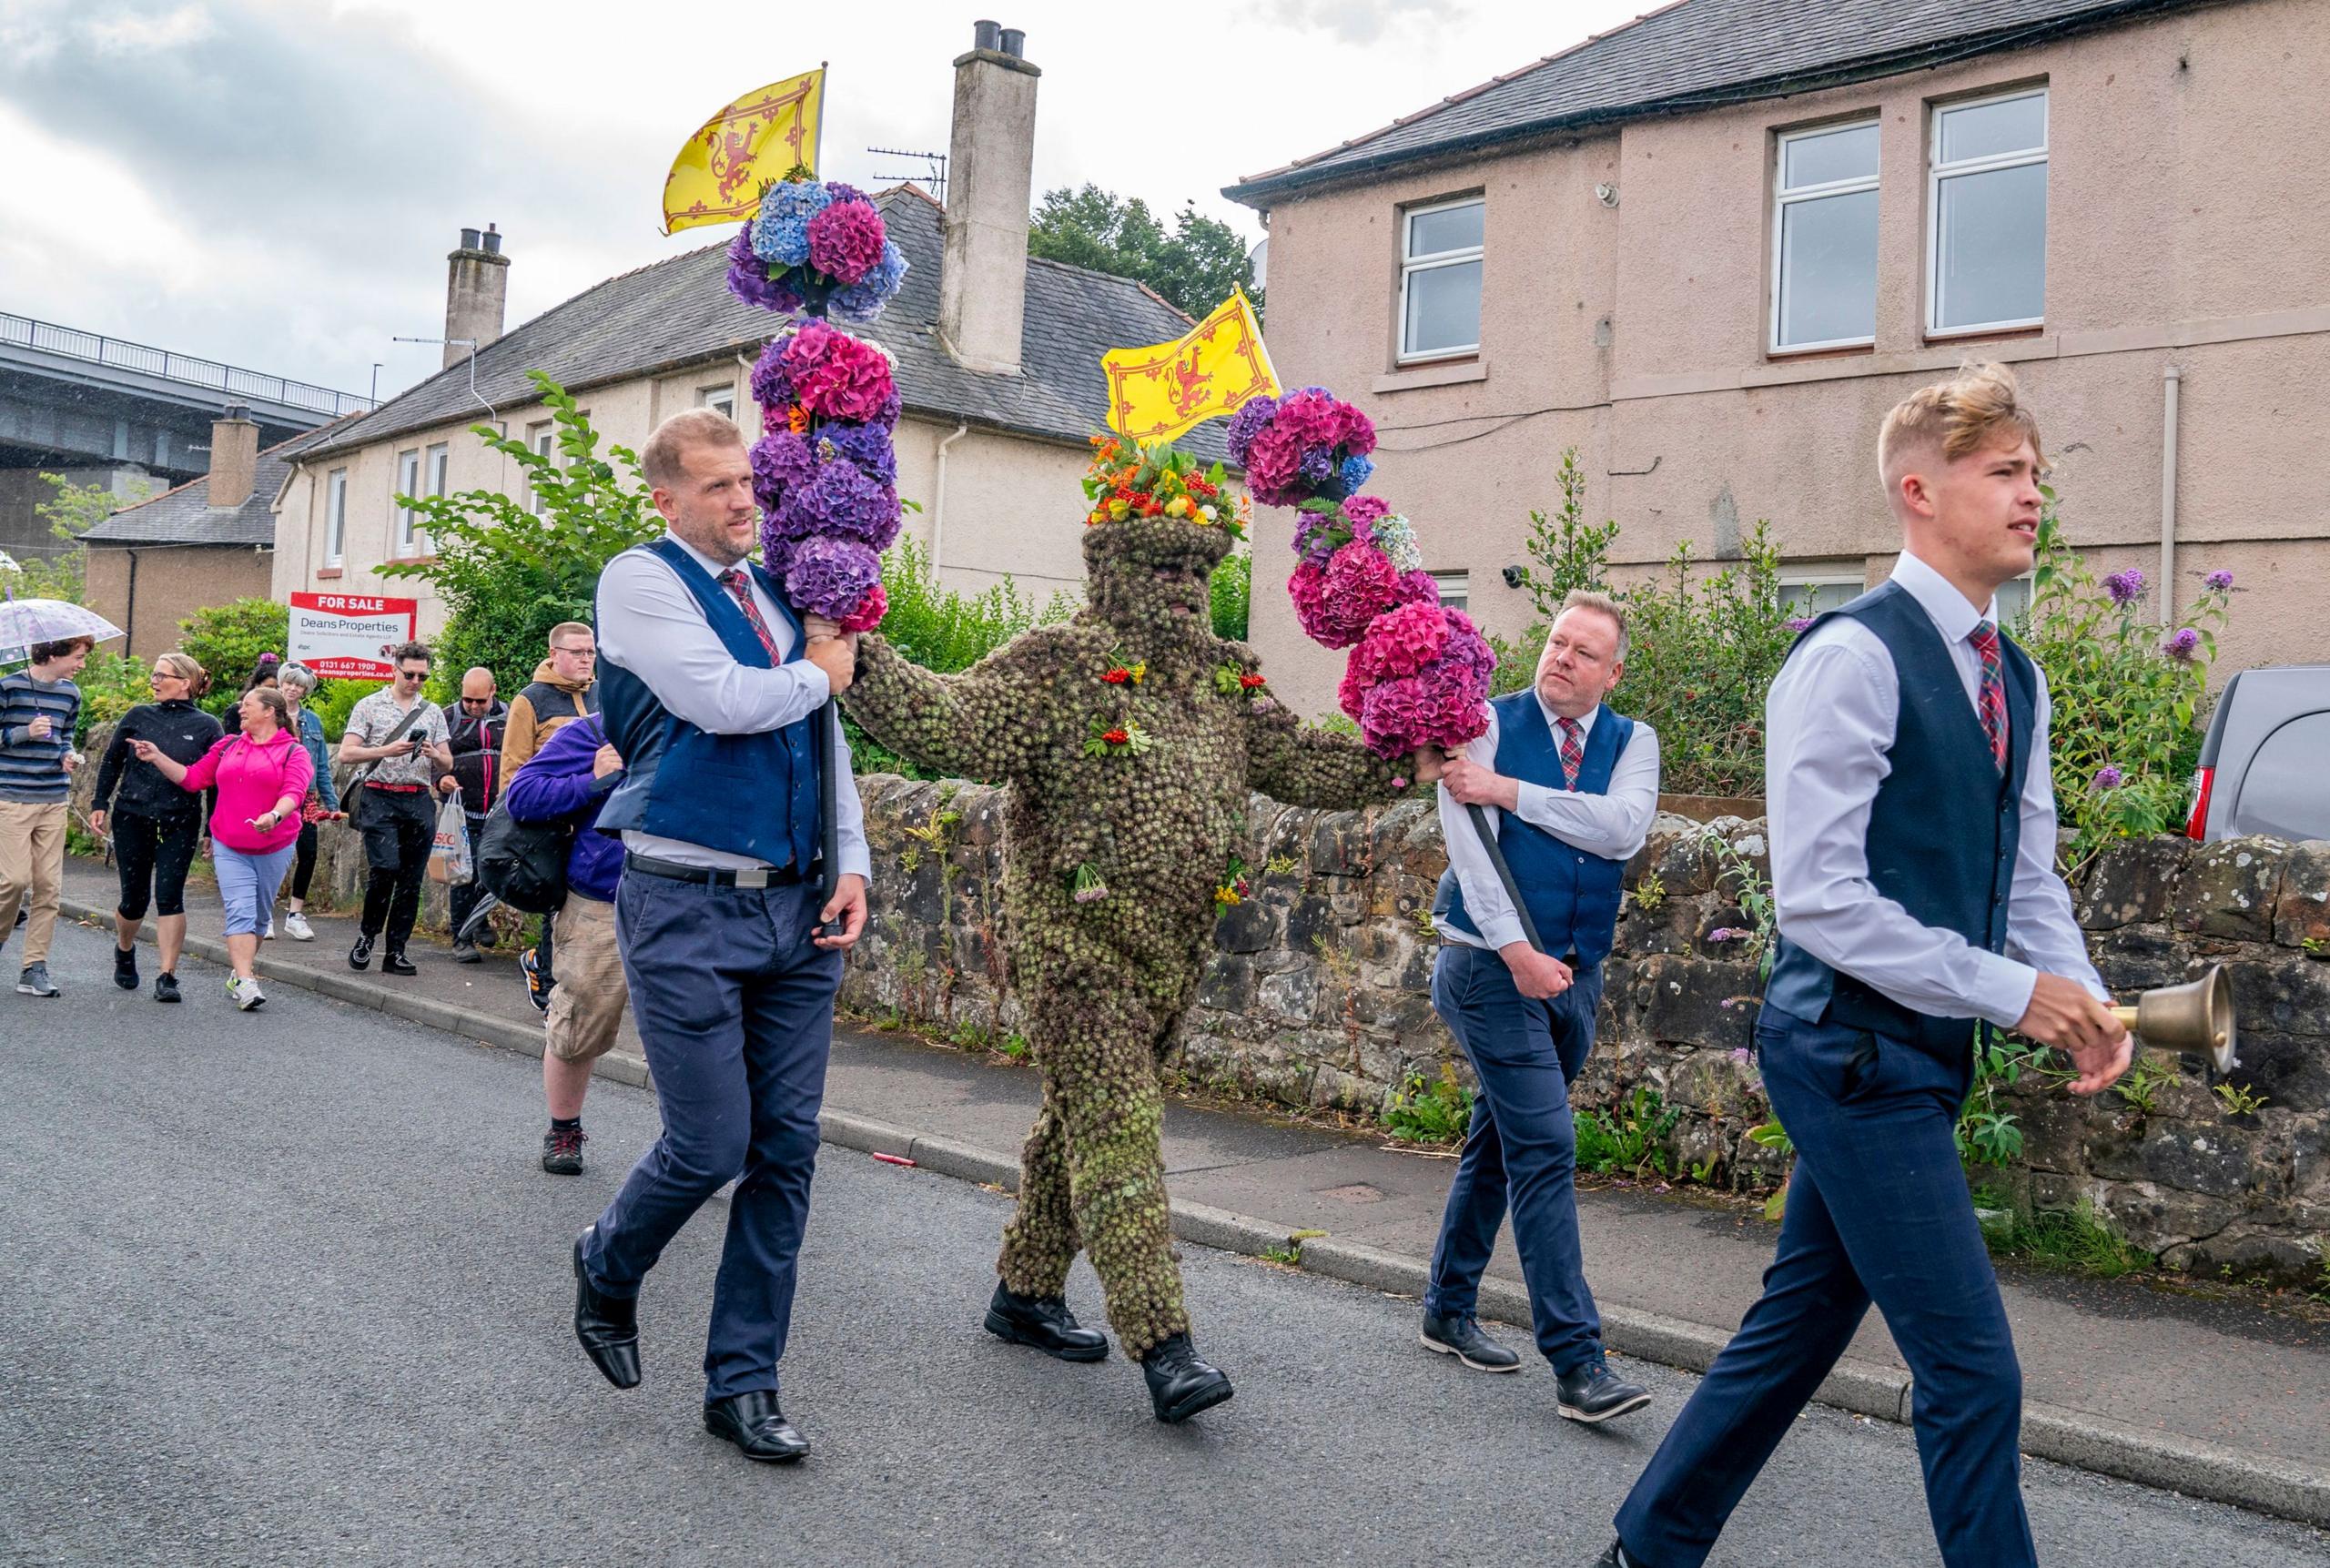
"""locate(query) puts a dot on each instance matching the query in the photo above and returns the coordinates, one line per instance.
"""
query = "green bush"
(333, 699)
(111, 684)
(227, 639)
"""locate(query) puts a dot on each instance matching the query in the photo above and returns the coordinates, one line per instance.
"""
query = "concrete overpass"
(101, 409)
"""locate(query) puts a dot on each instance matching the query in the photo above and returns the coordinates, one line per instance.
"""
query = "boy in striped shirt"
(39, 708)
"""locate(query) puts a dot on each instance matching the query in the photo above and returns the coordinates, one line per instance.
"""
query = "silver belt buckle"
(753, 876)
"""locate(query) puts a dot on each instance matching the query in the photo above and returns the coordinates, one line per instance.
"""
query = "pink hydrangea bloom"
(835, 375)
(1399, 641)
(845, 240)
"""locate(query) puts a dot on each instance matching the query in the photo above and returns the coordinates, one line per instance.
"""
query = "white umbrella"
(25, 622)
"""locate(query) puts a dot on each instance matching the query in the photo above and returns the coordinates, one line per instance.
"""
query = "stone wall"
(1316, 998)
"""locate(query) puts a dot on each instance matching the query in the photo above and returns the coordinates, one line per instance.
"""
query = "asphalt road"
(289, 1287)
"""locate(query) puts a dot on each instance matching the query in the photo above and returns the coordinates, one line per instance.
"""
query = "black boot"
(607, 1325)
(1044, 1323)
(396, 962)
(1180, 1385)
(1460, 1336)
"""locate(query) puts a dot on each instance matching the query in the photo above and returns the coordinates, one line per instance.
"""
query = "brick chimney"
(477, 283)
(234, 457)
(990, 177)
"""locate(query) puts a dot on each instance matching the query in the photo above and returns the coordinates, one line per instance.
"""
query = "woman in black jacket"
(156, 825)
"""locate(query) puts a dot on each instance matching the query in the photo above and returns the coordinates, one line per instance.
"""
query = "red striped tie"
(1985, 637)
(1573, 752)
(733, 580)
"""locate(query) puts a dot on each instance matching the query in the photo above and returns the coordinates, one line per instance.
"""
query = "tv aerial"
(934, 175)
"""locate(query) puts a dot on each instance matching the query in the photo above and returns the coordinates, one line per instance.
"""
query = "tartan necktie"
(733, 580)
(1573, 752)
(1992, 700)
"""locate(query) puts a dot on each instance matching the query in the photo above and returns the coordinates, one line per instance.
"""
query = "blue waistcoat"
(743, 794)
(1943, 831)
(1571, 896)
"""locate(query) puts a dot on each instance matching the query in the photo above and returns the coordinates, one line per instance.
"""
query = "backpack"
(523, 863)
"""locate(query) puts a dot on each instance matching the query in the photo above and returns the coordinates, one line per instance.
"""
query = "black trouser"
(465, 895)
(398, 829)
(152, 854)
(303, 865)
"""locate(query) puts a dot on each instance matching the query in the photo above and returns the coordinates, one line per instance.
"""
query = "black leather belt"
(711, 876)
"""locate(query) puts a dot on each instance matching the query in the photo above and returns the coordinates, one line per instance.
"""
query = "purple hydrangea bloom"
(841, 500)
(771, 388)
(2109, 777)
(2182, 644)
(836, 191)
(749, 281)
(1314, 539)
(830, 576)
(863, 300)
(1247, 424)
(780, 462)
(2124, 586)
(1317, 464)
(866, 446)
(2220, 580)
(780, 230)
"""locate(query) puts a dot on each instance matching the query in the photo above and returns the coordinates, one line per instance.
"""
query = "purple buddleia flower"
(1800, 622)
(2126, 587)
(2108, 777)
(2220, 580)
(2182, 645)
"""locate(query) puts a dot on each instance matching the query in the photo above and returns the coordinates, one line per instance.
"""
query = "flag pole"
(818, 135)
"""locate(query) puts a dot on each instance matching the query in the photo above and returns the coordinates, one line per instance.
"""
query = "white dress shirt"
(1828, 726)
(652, 626)
(1613, 825)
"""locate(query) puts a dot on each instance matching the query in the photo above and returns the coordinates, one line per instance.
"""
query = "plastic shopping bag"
(449, 855)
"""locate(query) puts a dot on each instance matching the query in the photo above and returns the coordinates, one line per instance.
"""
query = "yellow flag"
(718, 175)
(1156, 393)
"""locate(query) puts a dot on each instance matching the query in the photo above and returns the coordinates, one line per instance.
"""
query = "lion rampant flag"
(718, 175)
(1156, 393)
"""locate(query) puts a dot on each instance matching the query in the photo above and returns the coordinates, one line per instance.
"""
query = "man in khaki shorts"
(567, 782)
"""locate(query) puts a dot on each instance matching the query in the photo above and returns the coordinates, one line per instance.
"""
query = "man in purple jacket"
(569, 780)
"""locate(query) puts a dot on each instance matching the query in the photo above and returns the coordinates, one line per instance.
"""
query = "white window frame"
(407, 483)
(542, 440)
(1791, 582)
(336, 518)
(1783, 197)
(721, 399)
(435, 465)
(1460, 578)
(1937, 171)
(2029, 581)
(1411, 265)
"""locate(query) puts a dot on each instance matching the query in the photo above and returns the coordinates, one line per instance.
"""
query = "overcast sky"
(276, 184)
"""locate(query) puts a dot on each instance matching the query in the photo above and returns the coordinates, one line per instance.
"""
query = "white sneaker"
(244, 994)
(267, 933)
(296, 927)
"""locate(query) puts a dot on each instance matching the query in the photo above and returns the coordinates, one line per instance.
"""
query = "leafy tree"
(1194, 264)
(508, 574)
(70, 512)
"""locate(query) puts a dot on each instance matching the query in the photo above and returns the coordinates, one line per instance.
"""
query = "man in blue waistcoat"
(710, 687)
(1573, 787)
(1912, 817)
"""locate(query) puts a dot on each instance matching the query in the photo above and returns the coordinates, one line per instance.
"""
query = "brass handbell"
(2193, 1016)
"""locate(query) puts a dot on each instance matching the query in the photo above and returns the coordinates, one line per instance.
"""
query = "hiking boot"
(35, 981)
(296, 927)
(124, 969)
(244, 994)
(1593, 1392)
(1043, 1323)
(562, 1150)
(538, 985)
(165, 987)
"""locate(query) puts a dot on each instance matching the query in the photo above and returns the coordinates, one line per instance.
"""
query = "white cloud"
(130, 32)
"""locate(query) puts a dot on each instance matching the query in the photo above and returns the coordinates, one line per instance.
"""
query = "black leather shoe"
(752, 1422)
(607, 1325)
(1460, 1336)
(1180, 1385)
(1609, 1559)
(1595, 1393)
(397, 964)
(360, 956)
(165, 987)
(124, 969)
(1046, 1324)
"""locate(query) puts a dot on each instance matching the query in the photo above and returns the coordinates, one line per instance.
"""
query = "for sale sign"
(351, 636)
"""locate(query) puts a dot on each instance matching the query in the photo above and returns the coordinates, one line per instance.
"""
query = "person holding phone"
(261, 775)
(400, 738)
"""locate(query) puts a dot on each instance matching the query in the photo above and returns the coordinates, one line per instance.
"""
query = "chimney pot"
(990, 177)
(476, 287)
(1014, 42)
(234, 457)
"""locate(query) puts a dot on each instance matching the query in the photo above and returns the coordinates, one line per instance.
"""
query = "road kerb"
(2285, 1489)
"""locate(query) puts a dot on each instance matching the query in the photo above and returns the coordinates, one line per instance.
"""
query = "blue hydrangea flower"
(863, 300)
(1354, 473)
(781, 228)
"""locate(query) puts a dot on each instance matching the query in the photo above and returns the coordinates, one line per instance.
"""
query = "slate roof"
(185, 516)
(1696, 54)
(679, 312)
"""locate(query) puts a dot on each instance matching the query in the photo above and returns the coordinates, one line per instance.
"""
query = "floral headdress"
(1128, 481)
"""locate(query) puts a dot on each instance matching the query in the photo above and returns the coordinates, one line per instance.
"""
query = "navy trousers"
(1521, 1151)
(1876, 1210)
(735, 1007)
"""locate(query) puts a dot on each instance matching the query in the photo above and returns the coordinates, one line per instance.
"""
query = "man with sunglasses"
(474, 726)
(400, 738)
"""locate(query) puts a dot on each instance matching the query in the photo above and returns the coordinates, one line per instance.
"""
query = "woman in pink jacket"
(262, 777)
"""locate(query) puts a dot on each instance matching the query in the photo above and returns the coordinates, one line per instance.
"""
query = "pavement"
(2132, 1377)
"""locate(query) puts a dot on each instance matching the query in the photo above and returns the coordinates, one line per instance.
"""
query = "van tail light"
(2196, 823)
